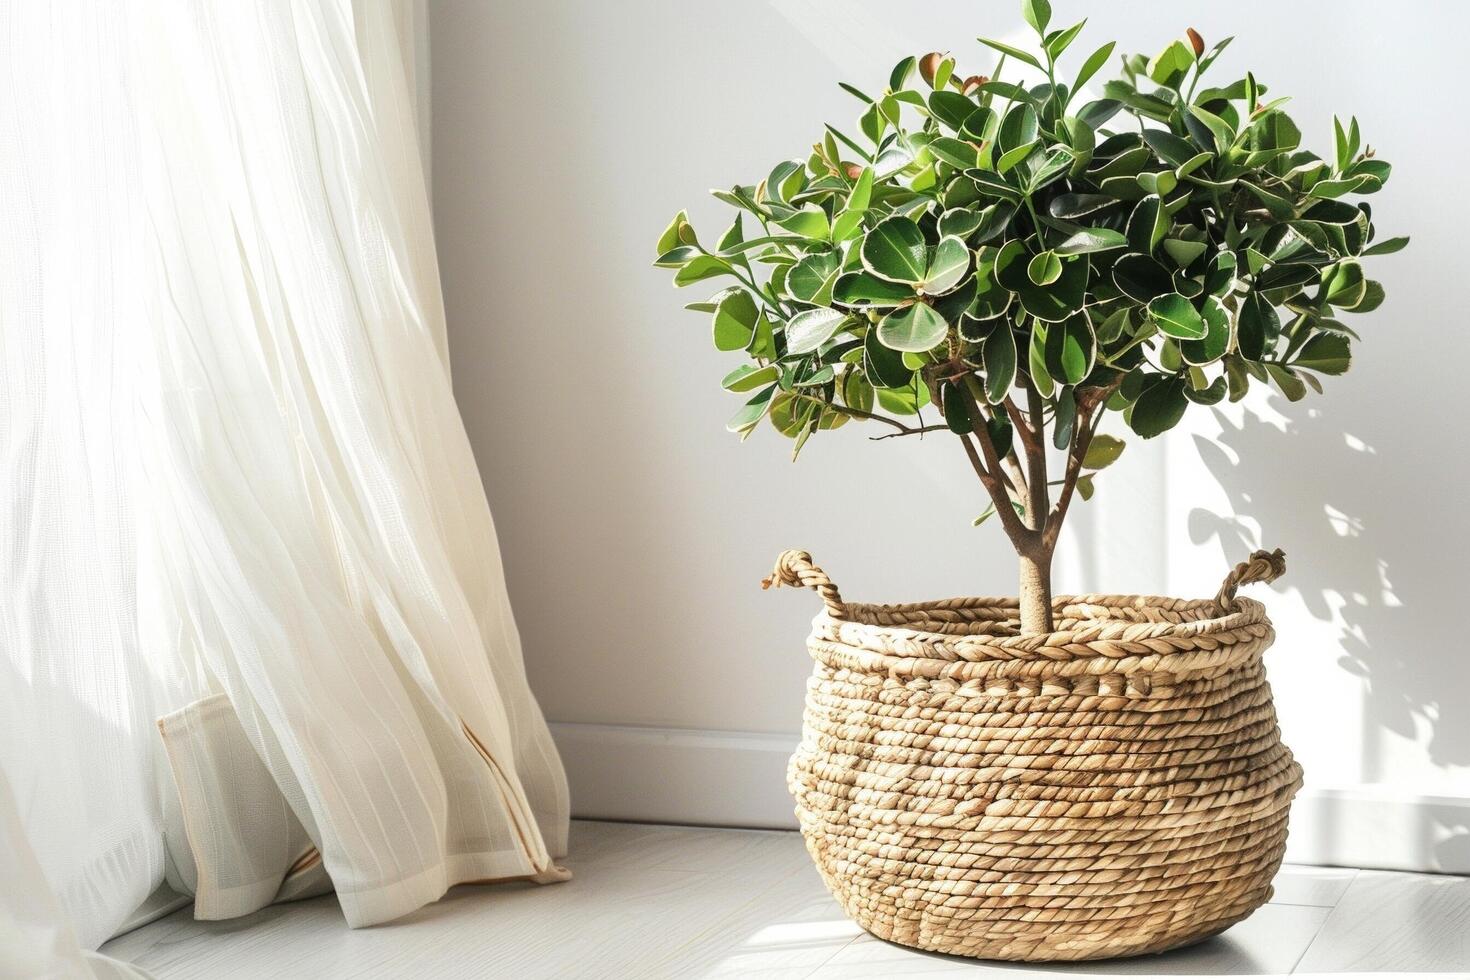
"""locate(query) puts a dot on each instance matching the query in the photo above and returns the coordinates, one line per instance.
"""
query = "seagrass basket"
(1116, 787)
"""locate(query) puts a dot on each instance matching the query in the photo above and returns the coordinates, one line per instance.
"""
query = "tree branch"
(857, 413)
(999, 497)
(908, 431)
(1019, 533)
(1039, 501)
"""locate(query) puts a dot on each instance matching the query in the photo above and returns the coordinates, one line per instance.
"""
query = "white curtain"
(254, 634)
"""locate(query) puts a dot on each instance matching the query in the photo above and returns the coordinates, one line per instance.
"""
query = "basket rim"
(896, 631)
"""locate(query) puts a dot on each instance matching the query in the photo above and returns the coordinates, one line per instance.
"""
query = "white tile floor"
(678, 902)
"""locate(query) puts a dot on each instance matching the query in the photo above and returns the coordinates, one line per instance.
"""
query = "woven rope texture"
(1118, 786)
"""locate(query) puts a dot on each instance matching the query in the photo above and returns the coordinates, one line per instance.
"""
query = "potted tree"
(1042, 777)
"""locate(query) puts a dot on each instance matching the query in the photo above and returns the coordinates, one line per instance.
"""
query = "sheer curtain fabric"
(255, 639)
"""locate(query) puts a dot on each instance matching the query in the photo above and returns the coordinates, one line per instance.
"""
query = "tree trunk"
(1036, 593)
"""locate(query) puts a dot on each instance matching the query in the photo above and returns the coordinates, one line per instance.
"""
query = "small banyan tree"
(1012, 263)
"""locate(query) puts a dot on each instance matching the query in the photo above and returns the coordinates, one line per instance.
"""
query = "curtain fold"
(256, 635)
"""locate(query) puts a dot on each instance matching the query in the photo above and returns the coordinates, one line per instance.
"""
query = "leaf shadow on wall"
(1359, 562)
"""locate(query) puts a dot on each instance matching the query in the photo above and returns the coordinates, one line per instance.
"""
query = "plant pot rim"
(1154, 639)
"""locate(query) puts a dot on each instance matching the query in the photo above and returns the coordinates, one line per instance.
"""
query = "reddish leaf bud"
(973, 83)
(1195, 41)
(929, 65)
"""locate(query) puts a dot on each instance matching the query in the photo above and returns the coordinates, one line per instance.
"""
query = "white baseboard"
(738, 779)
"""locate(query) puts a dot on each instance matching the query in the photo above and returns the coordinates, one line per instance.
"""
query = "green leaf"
(1325, 353)
(862, 192)
(956, 153)
(1011, 52)
(872, 123)
(1044, 268)
(857, 392)
(1183, 252)
(993, 221)
(950, 108)
(991, 298)
(677, 257)
(1170, 64)
(1060, 299)
(1176, 316)
(1371, 299)
(1070, 206)
(1009, 159)
(1092, 240)
(901, 72)
(1064, 420)
(1018, 128)
(1193, 163)
(809, 222)
(959, 222)
(863, 290)
(1328, 189)
(810, 329)
(1097, 113)
(1256, 327)
(752, 412)
(1094, 62)
(733, 235)
(1037, 14)
(1173, 150)
(1071, 348)
(1291, 386)
(1058, 161)
(1277, 206)
(1103, 452)
(1141, 277)
(1036, 360)
(1388, 246)
(1085, 487)
(948, 267)
(904, 401)
(1159, 408)
(1147, 225)
(670, 237)
(895, 250)
(998, 355)
(811, 279)
(763, 343)
(1219, 273)
(1059, 41)
(956, 406)
(884, 367)
(701, 268)
(1221, 134)
(785, 179)
(1212, 346)
(734, 320)
(943, 73)
(993, 185)
(749, 376)
(1345, 285)
(1287, 275)
(1205, 394)
(916, 327)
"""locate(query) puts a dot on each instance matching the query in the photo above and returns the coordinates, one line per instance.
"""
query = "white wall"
(635, 530)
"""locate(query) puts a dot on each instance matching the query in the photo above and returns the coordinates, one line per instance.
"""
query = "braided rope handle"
(795, 568)
(1261, 566)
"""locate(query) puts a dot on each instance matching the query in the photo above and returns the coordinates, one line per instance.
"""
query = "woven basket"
(1116, 787)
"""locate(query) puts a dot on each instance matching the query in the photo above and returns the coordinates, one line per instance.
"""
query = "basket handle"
(1261, 566)
(796, 568)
